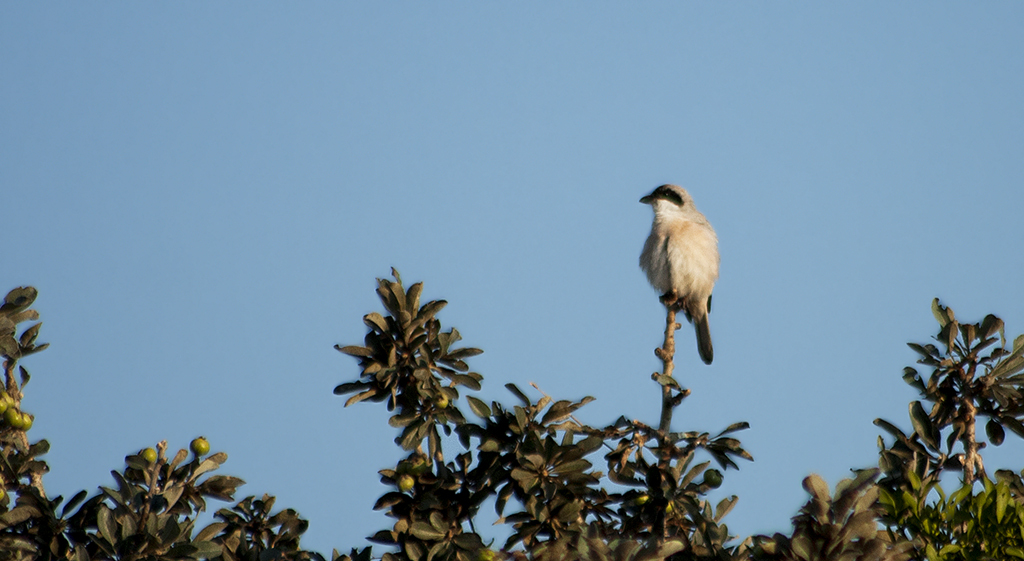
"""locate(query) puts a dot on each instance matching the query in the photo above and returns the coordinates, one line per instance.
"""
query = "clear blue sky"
(205, 192)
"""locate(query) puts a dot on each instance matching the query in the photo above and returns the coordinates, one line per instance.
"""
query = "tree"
(149, 513)
(536, 459)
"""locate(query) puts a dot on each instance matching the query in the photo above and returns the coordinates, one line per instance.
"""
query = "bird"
(681, 259)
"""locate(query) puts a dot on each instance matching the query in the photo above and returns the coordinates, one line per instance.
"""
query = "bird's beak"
(646, 199)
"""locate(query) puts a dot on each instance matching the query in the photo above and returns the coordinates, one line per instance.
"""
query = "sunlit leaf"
(354, 350)
(479, 408)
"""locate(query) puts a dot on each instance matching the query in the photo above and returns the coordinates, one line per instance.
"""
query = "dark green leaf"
(515, 391)
(667, 381)
(206, 550)
(942, 314)
(558, 411)
(742, 425)
(479, 408)
(464, 353)
(467, 380)
(425, 531)
(29, 335)
(431, 308)
(354, 350)
(923, 425)
(106, 525)
(349, 387)
(221, 486)
(389, 499)
(817, 487)
(19, 299)
(9, 346)
(210, 531)
(360, 397)
(71, 504)
(1014, 425)
(412, 297)
(995, 432)
(375, 320)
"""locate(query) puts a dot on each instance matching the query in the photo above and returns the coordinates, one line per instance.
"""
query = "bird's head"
(669, 199)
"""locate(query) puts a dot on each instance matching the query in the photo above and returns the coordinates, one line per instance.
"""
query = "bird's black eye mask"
(668, 194)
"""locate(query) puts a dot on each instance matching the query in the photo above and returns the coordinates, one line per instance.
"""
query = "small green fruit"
(200, 446)
(26, 421)
(149, 455)
(13, 417)
(406, 483)
(713, 478)
(486, 555)
(641, 500)
(669, 508)
(442, 401)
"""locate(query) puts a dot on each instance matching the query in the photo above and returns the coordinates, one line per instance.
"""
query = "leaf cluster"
(972, 377)
(843, 527)
(987, 524)
(533, 458)
(149, 513)
(965, 383)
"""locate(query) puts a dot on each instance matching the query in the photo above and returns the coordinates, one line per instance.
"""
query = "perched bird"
(681, 259)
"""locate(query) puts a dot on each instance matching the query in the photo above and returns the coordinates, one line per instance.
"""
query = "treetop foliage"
(561, 488)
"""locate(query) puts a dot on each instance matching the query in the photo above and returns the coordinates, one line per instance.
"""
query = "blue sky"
(204, 193)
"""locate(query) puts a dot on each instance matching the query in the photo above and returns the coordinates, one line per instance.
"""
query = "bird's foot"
(672, 301)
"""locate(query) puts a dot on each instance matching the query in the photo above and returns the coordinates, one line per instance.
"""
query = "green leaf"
(570, 512)
(105, 523)
(571, 466)
(1002, 497)
(992, 325)
(71, 504)
(349, 387)
(817, 487)
(29, 335)
(412, 297)
(9, 346)
(377, 321)
(360, 397)
(667, 381)
(206, 550)
(1014, 425)
(911, 377)
(425, 531)
(210, 531)
(479, 408)
(558, 411)
(354, 350)
(942, 314)
(463, 353)
(742, 425)
(430, 309)
(923, 425)
(222, 487)
(209, 464)
(515, 391)
(724, 506)
(995, 432)
(19, 299)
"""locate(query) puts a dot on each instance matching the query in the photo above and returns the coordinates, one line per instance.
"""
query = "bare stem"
(973, 467)
(666, 354)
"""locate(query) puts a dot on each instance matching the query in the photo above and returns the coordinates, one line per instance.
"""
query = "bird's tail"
(707, 353)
